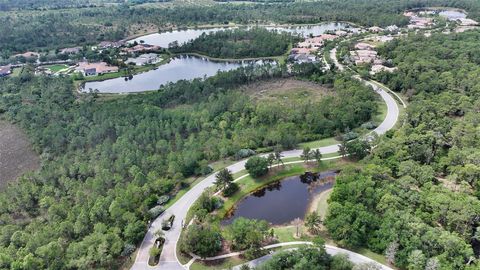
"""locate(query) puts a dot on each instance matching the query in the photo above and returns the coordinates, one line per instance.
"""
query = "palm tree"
(223, 178)
(278, 155)
(270, 159)
(317, 155)
(297, 223)
(313, 222)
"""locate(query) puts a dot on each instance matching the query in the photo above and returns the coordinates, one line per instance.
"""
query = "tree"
(391, 252)
(271, 159)
(223, 179)
(317, 155)
(313, 222)
(278, 155)
(202, 240)
(257, 166)
(416, 260)
(358, 149)
(297, 223)
(246, 233)
(341, 262)
(306, 154)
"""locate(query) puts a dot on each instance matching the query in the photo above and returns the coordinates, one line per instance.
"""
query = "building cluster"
(365, 54)
(305, 51)
(418, 22)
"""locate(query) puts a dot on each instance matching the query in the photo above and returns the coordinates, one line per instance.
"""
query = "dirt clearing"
(16, 154)
(286, 90)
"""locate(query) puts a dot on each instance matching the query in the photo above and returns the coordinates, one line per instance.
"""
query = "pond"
(282, 202)
(182, 36)
(179, 68)
(452, 14)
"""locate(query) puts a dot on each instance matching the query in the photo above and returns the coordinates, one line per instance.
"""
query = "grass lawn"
(218, 165)
(319, 143)
(16, 72)
(322, 205)
(382, 112)
(56, 68)
(217, 264)
(372, 255)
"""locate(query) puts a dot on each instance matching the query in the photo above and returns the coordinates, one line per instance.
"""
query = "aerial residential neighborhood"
(243, 135)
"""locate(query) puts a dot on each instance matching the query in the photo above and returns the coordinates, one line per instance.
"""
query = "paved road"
(353, 257)
(333, 56)
(168, 258)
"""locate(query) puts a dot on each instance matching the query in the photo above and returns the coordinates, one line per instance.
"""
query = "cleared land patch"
(286, 91)
(16, 154)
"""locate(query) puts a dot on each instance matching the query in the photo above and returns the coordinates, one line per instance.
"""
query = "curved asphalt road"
(168, 258)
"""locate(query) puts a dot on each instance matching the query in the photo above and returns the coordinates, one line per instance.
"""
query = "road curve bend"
(168, 257)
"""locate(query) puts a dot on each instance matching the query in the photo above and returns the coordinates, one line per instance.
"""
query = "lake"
(179, 68)
(182, 36)
(282, 202)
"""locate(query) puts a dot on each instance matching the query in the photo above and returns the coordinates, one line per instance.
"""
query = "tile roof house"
(92, 69)
(5, 71)
(73, 50)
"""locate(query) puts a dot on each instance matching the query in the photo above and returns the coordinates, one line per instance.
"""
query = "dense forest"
(54, 29)
(417, 200)
(239, 43)
(7, 5)
(106, 162)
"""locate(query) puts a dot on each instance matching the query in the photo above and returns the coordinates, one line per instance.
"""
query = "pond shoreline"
(308, 182)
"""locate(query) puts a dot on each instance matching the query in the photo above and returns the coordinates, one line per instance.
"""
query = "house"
(110, 44)
(363, 56)
(92, 69)
(5, 71)
(73, 50)
(375, 29)
(364, 46)
(303, 50)
(419, 22)
(392, 28)
(142, 48)
(467, 22)
(144, 59)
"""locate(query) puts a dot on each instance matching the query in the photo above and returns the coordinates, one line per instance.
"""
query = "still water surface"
(284, 201)
(182, 36)
(179, 68)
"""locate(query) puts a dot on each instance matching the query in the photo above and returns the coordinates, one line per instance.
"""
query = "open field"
(286, 91)
(16, 154)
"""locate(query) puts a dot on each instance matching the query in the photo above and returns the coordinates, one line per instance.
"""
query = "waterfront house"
(92, 69)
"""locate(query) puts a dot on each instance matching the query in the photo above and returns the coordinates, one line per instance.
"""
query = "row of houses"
(304, 51)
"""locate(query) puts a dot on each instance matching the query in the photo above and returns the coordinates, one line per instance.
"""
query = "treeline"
(417, 200)
(56, 29)
(7, 5)
(105, 163)
(239, 43)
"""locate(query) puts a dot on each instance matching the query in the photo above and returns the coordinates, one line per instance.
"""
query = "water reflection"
(283, 201)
